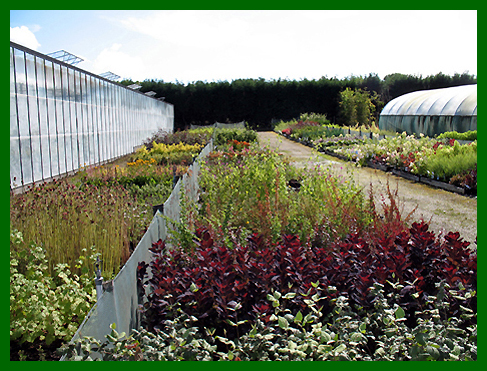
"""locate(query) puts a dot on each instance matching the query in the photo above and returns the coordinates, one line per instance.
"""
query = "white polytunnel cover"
(432, 112)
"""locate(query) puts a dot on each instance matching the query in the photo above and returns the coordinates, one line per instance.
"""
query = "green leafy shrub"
(152, 194)
(307, 130)
(309, 133)
(317, 117)
(468, 135)
(46, 307)
(194, 136)
(223, 136)
(166, 154)
(448, 161)
(251, 193)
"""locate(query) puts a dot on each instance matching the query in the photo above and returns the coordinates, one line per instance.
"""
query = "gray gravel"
(445, 211)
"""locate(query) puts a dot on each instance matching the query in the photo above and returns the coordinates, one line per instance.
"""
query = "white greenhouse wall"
(63, 118)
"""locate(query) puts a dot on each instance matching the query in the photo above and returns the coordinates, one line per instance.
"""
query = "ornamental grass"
(66, 220)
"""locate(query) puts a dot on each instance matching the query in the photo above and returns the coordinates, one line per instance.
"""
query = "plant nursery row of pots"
(442, 162)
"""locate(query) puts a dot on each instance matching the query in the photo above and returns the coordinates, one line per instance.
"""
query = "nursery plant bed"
(387, 168)
(378, 166)
(442, 185)
(331, 153)
(406, 175)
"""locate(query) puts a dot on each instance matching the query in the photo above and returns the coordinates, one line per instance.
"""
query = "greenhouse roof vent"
(110, 76)
(66, 57)
(134, 86)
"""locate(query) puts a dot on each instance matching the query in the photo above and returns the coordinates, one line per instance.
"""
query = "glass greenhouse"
(432, 112)
(63, 118)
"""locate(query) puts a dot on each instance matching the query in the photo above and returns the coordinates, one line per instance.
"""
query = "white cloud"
(23, 36)
(189, 28)
(212, 45)
(115, 60)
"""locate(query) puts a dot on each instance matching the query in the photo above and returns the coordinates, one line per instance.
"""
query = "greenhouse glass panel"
(75, 99)
(43, 119)
(85, 119)
(111, 121)
(67, 120)
(26, 160)
(15, 166)
(95, 119)
(118, 113)
(14, 123)
(131, 120)
(21, 92)
(87, 115)
(30, 69)
(116, 141)
(73, 119)
(33, 113)
(79, 120)
(52, 118)
(99, 122)
(59, 109)
(123, 121)
(106, 128)
(128, 122)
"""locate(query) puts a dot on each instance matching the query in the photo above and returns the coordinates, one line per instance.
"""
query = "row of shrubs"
(229, 289)
(468, 135)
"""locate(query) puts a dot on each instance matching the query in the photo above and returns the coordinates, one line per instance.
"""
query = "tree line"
(263, 102)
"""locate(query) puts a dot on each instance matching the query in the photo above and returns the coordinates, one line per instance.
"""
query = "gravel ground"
(445, 211)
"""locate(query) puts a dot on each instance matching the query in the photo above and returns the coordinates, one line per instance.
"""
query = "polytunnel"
(432, 112)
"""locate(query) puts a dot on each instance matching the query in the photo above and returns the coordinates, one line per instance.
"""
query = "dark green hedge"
(261, 102)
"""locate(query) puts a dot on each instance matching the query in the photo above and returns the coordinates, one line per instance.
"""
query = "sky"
(225, 45)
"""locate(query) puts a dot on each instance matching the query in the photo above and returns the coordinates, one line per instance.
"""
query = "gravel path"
(445, 211)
